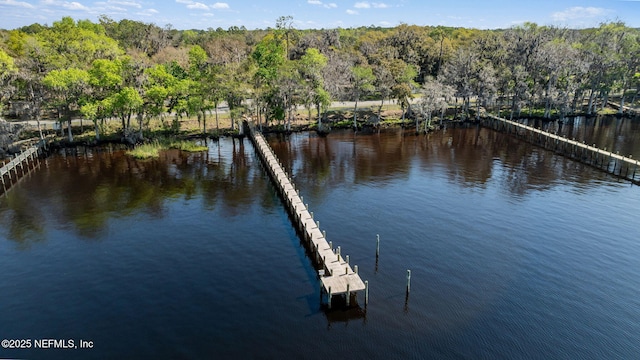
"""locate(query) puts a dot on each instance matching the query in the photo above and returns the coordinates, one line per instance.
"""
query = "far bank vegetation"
(134, 80)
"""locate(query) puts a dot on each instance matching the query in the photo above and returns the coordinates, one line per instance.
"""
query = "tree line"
(136, 71)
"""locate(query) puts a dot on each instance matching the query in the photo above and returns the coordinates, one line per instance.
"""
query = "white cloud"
(352, 12)
(320, 3)
(198, 6)
(17, 3)
(125, 3)
(74, 6)
(220, 5)
(104, 7)
(148, 12)
(368, 5)
(579, 12)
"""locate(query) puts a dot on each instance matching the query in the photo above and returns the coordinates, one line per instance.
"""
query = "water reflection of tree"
(22, 220)
(320, 163)
(470, 157)
(84, 189)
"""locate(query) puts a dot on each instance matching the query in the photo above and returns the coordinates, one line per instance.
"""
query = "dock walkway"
(336, 274)
(613, 163)
(20, 161)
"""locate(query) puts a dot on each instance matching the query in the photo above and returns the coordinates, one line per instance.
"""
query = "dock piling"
(348, 295)
(366, 293)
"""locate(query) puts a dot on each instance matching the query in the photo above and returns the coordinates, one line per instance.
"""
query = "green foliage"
(66, 79)
(7, 65)
(71, 44)
(197, 57)
(152, 150)
(106, 74)
(269, 55)
(362, 80)
(146, 151)
(188, 146)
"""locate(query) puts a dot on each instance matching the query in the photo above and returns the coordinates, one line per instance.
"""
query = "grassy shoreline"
(152, 149)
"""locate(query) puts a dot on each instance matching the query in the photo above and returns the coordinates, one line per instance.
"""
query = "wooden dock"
(613, 163)
(336, 275)
(21, 161)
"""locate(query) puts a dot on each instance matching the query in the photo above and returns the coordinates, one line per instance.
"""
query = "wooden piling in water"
(366, 293)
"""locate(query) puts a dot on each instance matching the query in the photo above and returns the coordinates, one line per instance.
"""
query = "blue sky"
(203, 14)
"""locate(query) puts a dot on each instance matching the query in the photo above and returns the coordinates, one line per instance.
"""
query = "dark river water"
(514, 251)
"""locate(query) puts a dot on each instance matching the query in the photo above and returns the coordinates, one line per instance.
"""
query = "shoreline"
(340, 121)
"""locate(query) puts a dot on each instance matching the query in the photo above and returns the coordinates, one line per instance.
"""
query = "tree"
(484, 84)
(157, 89)
(286, 31)
(362, 80)
(67, 85)
(76, 44)
(403, 76)
(310, 67)
(105, 79)
(235, 87)
(435, 97)
(322, 99)
(199, 88)
(458, 72)
(124, 103)
(8, 70)
(96, 111)
(269, 57)
(30, 61)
